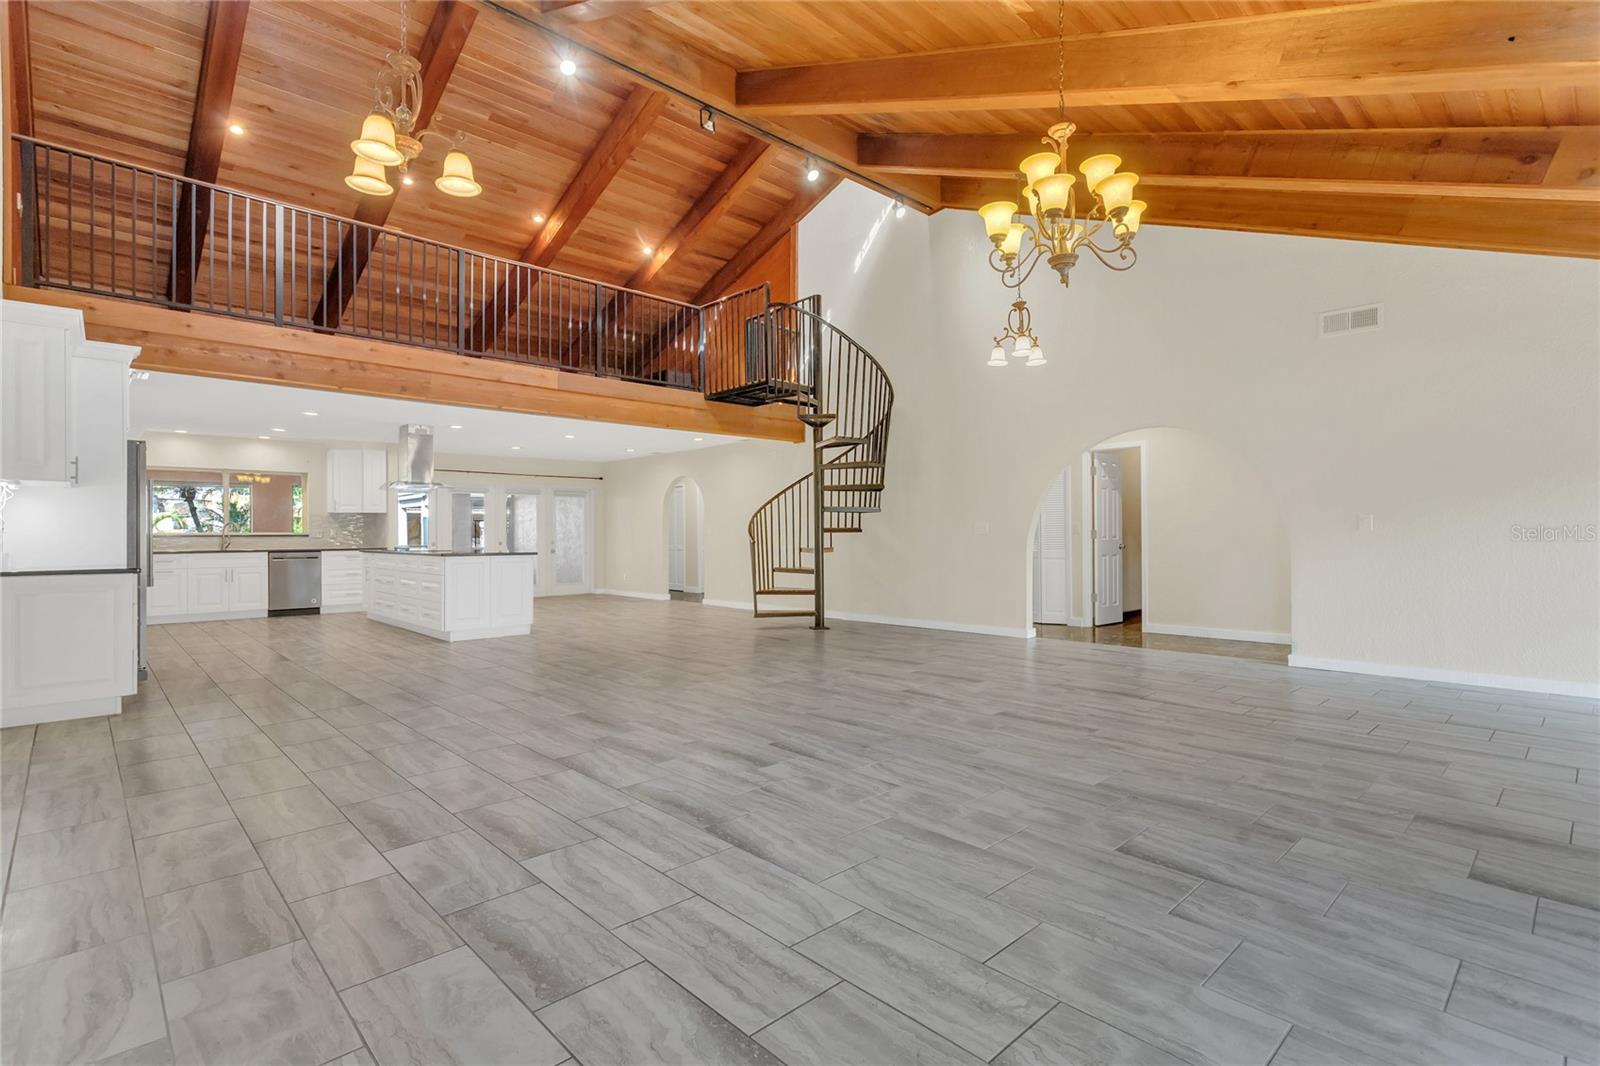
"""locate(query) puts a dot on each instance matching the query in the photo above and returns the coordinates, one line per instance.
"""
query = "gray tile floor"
(662, 832)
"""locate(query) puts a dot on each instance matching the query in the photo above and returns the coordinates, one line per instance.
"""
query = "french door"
(571, 543)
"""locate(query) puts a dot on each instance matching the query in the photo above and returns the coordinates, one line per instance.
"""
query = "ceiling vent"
(1351, 320)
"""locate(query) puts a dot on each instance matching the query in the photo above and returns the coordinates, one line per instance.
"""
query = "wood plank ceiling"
(1465, 124)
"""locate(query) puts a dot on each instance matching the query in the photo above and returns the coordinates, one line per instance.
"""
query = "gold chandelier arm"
(1125, 254)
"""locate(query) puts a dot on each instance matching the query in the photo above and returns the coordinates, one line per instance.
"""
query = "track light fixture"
(899, 207)
(568, 67)
(813, 168)
(708, 119)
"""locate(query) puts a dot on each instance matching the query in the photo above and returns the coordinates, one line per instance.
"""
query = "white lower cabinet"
(454, 597)
(69, 645)
(204, 586)
(343, 580)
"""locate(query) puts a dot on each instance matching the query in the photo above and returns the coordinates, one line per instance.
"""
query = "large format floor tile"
(682, 837)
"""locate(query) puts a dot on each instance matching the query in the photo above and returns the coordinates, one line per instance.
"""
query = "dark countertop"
(437, 553)
(65, 573)
(239, 551)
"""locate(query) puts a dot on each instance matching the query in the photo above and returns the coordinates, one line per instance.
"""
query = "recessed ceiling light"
(537, 217)
(236, 129)
(698, 439)
(309, 414)
(630, 449)
(180, 431)
(647, 250)
(263, 438)
(455, 427)
(568, 67)
(407, 179)
(279, 429)
(569, 436)
(516, 447)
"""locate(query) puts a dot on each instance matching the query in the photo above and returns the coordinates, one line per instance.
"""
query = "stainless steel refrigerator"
(139, 558)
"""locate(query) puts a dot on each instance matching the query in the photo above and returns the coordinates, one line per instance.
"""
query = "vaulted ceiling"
(1456, 124)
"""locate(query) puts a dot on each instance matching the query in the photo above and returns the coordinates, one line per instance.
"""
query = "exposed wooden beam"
(441, 48)
(740, 173)
(221, 347)
(17, 79)
(19, 69)
(704, 79)
(213, 99)
(639, 111)
(1371, 49)
(1541, 227)
(594, 10)
(766, 237)
(1498, 162)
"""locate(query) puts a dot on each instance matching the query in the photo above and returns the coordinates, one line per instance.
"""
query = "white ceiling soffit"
(164, 403)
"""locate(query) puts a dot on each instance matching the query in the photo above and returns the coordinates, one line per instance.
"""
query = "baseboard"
(733, 604)
(1546, 686)
(634, 595)
(1251, 635)
(923, 623)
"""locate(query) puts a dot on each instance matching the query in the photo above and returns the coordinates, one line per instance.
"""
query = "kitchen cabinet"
(36, 387)
(452, 597)
(356, 480)
(206, 586)
(69, 645)
(343, 581)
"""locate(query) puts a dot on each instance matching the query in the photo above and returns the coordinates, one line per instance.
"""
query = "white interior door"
(1107, 538)
(678, 540)
(1051, 543)
(570, 541)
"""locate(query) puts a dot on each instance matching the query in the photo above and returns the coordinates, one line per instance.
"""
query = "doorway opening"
(1163, 539)
(685, 516)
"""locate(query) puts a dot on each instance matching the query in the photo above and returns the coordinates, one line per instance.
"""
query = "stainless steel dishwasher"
(294, 582)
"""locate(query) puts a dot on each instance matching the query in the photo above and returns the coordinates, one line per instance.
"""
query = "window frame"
(232, 479)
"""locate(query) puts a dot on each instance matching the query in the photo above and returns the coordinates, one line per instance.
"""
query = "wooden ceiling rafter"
(1515, 162)
(1404, 47)
(208, 130)
(633, 120)
(20, 76)
(441, 48)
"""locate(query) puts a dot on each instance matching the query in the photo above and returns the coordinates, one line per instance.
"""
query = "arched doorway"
(1162, 538)
(683, 523)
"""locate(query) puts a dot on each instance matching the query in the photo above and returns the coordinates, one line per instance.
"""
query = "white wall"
(1471, 412)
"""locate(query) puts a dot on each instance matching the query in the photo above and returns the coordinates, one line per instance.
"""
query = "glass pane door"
(570, 543)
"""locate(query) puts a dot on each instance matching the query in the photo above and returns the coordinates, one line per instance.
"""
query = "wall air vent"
(1351, 320)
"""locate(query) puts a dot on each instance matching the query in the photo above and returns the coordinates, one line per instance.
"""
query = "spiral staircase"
(793, 355)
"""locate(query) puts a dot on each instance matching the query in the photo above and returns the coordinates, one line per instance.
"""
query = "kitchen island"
(451, 595)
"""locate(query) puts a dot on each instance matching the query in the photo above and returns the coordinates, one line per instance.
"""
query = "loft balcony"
(214, 281)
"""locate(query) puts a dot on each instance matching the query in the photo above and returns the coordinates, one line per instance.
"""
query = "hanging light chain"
(405, 24)
(1061, 58)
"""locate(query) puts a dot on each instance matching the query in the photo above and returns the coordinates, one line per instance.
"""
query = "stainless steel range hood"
(415, 468)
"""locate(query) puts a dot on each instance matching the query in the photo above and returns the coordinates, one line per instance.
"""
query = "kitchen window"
(238, 502)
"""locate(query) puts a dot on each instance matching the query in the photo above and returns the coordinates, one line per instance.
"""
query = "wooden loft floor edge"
(205, 345)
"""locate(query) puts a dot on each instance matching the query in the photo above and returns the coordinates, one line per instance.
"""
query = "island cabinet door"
(512, 581)
(467, 594)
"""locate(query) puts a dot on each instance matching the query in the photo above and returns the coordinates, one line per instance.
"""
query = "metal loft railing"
(96, 225)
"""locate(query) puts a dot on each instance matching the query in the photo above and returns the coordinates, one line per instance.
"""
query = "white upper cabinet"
(36, 394)
(356, 479)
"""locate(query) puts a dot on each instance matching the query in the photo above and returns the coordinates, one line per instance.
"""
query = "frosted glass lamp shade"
(1117, 190)
(1039, 165)
(1098, 168)
(997, 357)
(376, 142)
(369, 179)
(997, 217)
(1035, 357)
(1053, 191)
(1130, 221)
(456, 179)
(1012, 243)
(1021, 349)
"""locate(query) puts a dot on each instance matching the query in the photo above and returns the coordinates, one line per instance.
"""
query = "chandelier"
(1019, 330)
(1054, 219)
(386, 134)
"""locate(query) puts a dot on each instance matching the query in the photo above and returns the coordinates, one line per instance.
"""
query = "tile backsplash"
(324, 531)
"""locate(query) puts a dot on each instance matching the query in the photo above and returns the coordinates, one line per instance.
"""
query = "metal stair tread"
(784, 614)
(786, 592)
